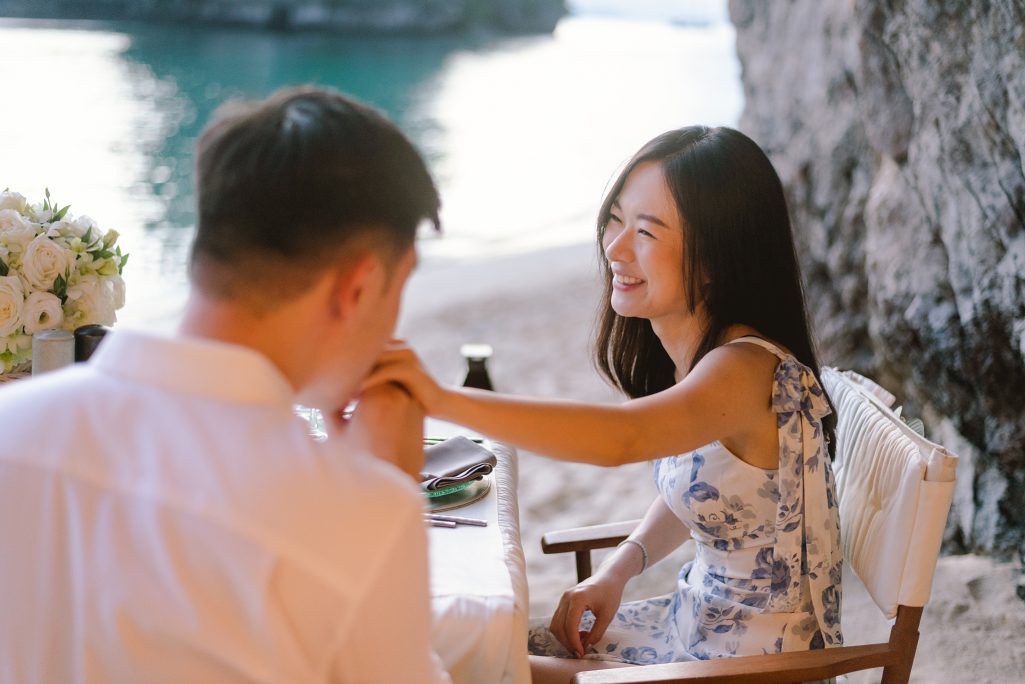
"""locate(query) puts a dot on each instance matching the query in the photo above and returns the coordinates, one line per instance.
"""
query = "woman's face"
(643, 243)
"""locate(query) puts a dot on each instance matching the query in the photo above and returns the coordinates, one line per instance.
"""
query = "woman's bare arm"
(660, 531)
(724, 395)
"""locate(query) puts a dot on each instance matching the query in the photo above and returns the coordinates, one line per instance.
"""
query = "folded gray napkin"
(455, 461)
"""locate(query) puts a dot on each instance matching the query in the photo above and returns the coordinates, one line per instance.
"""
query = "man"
(164, 517)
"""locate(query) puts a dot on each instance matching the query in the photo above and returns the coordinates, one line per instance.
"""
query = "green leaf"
(121, 266)
(102, 254)
(61, 213)
(60, 287)
(4, 270)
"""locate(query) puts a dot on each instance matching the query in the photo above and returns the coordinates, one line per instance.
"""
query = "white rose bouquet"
(55, 272)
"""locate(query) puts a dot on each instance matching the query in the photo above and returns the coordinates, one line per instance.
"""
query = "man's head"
(309, 195)
(289, 185)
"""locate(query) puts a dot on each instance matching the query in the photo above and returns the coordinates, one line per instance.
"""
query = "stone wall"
(898, 128)
(427, 16)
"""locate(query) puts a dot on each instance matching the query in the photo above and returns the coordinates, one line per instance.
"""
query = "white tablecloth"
(479, 584)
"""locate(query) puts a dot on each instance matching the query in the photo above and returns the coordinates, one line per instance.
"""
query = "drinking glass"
(314, 421)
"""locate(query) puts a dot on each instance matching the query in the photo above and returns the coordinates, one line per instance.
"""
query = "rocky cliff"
(428, 16)
(898, 128)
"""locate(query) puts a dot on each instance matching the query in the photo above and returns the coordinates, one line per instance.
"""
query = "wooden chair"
(895, 489)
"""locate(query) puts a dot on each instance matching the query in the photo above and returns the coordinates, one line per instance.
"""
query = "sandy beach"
(537, 310)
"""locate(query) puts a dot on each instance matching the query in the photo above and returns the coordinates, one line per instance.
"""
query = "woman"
(704, 327)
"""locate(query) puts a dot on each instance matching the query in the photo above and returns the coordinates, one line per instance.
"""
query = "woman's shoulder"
(745, 346)
(742, 363)
(744, 337)
(739, 377)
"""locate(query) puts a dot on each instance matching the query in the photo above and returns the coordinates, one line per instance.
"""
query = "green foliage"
(49, 205)
(60, 286)
(4, 269)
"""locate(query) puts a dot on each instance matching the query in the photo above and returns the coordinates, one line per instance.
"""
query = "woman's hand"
(389, 424)
(601, 594)
(660, 532)
(400, 365)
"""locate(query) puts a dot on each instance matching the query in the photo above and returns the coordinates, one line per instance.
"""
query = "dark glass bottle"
(477, 356)
(87, 339)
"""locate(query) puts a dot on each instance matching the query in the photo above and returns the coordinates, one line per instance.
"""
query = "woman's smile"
(625, 283)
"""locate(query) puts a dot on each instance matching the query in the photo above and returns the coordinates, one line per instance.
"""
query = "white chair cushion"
(895, 489)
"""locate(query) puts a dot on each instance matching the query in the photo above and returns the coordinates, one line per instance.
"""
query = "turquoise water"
(522, 133)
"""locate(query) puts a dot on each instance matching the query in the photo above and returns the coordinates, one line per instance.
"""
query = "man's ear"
(354, 283)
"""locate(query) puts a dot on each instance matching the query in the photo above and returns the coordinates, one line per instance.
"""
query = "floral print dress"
(766, 575)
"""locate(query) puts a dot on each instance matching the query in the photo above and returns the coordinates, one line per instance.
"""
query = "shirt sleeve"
(391, 631)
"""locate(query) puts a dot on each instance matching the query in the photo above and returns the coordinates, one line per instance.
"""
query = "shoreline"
(292, 16)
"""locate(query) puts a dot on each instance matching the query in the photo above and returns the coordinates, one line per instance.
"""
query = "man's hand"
(400, 365)
(389, 424)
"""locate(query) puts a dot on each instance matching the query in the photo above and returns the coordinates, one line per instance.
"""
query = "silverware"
(456, 520)
(441, 523)
(429, 441)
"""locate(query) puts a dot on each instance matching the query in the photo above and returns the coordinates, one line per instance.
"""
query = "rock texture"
(898, 128)
(427, 16)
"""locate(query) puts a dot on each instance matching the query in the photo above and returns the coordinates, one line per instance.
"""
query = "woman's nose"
(617, 247)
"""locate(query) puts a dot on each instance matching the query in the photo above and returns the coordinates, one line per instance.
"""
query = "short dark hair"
(739, 257)
(285, 184)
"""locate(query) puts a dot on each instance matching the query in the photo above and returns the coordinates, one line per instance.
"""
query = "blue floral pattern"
(766, 576)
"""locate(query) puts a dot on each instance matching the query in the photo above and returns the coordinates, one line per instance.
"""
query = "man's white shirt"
(164, 517)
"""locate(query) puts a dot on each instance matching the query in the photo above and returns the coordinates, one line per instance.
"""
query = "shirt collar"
(193, 365)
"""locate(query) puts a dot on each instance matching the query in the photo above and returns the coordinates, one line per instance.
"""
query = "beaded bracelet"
(644, 551)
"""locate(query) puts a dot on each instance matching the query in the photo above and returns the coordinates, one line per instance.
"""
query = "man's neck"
(233, 323)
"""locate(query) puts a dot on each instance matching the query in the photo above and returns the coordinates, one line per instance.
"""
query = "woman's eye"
(613, 217)
(644, 232)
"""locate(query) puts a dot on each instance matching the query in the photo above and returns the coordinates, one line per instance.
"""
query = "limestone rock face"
(423, 16)
(898, 129)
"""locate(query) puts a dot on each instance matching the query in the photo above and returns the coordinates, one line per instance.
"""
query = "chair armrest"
(775, 668)
(587, 538)
(581, 540)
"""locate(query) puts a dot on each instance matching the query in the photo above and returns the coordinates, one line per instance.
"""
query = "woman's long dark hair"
(739, 258)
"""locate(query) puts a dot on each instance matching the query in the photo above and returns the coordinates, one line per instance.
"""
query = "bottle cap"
(476, 351)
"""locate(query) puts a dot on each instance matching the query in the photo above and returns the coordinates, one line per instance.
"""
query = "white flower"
(109, 238)
(12, 200)
(10, 219)
(83, 224)
(15, 231)
(43, 261)
(16, 345)
(118, 287)
(42, 310)
(90, 300)
(64, 229)
(37, 213)
(12, 301)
